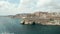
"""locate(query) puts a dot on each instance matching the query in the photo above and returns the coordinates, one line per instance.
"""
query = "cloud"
(29, 6)
(37, 5)
(2, 0)
(7, 8)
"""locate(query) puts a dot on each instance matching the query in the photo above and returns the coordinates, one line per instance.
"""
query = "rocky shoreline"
(43, 18)
(32, 22)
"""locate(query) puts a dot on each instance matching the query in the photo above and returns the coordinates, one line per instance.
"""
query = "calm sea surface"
(13, 26)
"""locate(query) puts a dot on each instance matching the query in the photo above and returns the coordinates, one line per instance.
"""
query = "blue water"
(13, 26)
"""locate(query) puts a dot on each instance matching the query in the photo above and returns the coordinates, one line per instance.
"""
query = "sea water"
(13, 26)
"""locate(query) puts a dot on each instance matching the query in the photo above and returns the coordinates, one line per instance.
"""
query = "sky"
(12, 7)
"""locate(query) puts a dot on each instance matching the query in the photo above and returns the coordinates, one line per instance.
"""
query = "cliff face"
(44, 18)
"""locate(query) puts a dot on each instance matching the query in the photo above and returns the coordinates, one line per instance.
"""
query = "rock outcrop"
(43, 18)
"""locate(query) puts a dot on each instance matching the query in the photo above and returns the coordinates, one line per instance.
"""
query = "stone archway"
(33, 23)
